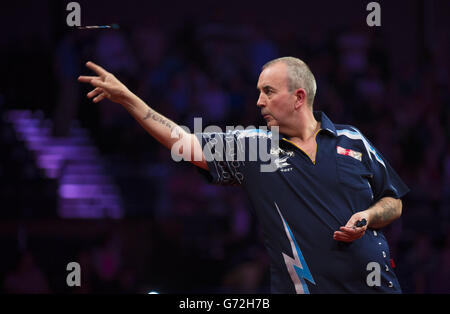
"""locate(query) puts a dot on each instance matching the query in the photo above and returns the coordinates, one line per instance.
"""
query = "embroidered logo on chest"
(282, 157)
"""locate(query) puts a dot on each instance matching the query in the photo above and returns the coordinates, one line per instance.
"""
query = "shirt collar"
(326, 124)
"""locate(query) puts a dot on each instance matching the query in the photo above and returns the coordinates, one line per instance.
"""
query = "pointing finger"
(96, 68)
(87, 79)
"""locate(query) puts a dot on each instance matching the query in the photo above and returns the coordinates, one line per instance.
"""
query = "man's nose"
(260, 101)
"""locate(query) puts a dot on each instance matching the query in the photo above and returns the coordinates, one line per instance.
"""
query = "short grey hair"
(299, 76)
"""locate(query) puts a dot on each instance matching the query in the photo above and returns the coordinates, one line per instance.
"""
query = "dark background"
(84, 182)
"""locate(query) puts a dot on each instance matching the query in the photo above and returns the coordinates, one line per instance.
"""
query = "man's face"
(275, 100)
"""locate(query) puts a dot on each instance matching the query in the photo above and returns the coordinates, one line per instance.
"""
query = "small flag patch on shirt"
(349, 152)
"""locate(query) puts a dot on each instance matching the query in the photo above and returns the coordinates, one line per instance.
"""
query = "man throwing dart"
(328, 194)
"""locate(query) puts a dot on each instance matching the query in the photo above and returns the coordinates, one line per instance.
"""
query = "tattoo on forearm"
(158, 118)
(149, 113)
(388, 212)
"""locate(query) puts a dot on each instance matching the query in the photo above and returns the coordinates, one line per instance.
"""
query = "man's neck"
(307, 127)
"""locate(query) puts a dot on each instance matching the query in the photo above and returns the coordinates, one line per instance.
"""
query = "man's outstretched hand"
(106, 85)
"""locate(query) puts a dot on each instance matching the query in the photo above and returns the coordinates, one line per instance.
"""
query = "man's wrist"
(369, 212)
(383, 212)
(129, 100)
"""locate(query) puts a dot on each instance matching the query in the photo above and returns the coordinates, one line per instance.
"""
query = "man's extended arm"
(161, 128)
(379, 215)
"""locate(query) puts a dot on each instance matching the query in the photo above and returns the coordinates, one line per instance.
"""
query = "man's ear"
(300, 94)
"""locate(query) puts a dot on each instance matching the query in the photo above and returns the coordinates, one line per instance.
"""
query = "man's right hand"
(161, 128)
(106, 86)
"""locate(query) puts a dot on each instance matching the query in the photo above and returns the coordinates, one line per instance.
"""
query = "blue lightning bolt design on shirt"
(297, 267)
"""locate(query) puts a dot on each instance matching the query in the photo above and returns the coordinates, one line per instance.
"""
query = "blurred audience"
(210, 70)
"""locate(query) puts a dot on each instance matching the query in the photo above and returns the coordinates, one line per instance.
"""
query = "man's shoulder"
(345, 127)
(349, 131)
(351, 136)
